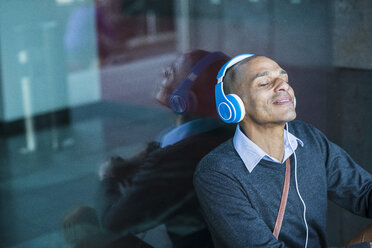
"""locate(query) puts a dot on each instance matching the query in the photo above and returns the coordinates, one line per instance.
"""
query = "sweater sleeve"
(159, 188)
(135, 209)
(349, 185)
(231, 219)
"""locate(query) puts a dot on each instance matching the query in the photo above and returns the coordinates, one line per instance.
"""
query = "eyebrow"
(265, 73)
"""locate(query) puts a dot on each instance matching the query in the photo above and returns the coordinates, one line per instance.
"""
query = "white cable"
(298, 192)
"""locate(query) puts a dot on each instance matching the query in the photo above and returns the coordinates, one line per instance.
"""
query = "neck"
(182, 119)
(270, 137)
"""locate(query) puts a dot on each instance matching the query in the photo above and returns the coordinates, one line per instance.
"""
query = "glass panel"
(94, 148)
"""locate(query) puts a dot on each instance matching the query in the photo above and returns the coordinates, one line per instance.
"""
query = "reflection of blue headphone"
(230, 108)
(181, 100)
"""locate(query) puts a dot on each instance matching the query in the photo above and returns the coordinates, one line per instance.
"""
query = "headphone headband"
(231, 63)
(205, 61)
(180, 101)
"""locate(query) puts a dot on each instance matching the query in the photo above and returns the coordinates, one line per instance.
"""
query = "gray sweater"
(241, 207)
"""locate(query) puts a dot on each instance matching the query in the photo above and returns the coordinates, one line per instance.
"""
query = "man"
(151, 194)
(240, 183)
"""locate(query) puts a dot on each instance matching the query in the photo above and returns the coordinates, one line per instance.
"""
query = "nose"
(281, 85)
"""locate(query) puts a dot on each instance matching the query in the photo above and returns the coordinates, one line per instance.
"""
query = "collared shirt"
(188, 129)
(251, 154)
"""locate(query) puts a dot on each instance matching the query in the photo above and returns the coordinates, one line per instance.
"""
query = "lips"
(283, 100)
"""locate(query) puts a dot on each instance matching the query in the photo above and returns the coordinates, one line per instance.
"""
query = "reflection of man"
(151, 194)
(240, 183)
(160, 179)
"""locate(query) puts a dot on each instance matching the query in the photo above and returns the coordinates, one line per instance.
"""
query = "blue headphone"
(229, 107)
(181, 100)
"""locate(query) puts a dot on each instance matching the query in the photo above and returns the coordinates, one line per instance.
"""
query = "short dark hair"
(230, 79)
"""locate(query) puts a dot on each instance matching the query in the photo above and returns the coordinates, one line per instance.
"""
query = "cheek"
(261, 106)
(291, 91)
(160, 95)
(163, 92)
(259, 100)
(253, 104)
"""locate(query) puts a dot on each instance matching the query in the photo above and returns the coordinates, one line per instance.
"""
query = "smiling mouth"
(283, 101)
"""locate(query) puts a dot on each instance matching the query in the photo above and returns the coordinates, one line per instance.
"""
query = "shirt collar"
(189, 129)
(251, 154)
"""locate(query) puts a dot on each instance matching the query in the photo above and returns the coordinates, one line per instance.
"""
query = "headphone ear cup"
(182, 102)
(224, 108)
(237, 106)
(230, 108)
(178, 103)
(226, 111)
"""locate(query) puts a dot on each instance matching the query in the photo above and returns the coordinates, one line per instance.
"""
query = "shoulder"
(314, 140)
(187, 152)
(305, 131)
(219, 159)
(300, 126)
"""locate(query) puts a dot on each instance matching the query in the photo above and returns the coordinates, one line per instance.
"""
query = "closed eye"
(264, 83)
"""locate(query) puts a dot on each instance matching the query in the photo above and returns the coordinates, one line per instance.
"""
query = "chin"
(291, 116)
(288, 116)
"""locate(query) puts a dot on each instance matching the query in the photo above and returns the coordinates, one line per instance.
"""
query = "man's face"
(172, 78)
(264, 89)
